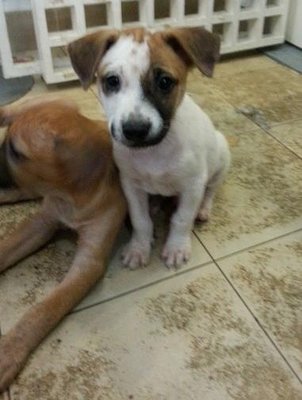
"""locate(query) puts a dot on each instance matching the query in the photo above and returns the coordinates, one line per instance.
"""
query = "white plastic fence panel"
(241, 24)
(24, 64)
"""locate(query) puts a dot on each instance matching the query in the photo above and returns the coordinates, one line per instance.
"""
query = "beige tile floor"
(226, 326)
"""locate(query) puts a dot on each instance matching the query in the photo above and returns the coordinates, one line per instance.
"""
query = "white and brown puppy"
(52, 151)
(163, 142)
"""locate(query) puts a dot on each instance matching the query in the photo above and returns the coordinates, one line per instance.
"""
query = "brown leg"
(13, 195)
(88, 266)
(28, 237)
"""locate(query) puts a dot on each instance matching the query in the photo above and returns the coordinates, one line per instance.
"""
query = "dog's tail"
(9, 113)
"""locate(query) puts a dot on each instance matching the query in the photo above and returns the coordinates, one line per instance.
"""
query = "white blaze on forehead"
(127, 56)
(130, 61)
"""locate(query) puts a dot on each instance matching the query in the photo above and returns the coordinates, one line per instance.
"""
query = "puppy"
(52, 151)
(163, 142)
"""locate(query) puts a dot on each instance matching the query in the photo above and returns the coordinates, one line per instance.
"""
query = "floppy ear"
(86, 53)
(196, 46)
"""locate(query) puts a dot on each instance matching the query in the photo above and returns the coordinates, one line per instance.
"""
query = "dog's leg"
(137, 251)
(216, 180)
(207, 201)
(30, 236)
(88, 266)
(177, 249)
(13, 195)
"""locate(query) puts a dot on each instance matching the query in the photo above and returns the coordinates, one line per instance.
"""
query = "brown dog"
(52, 151)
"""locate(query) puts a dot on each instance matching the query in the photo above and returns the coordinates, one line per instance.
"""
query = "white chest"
(151, 171)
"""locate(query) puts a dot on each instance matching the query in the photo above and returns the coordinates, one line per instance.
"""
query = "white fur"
(189, 162)
(130, 60)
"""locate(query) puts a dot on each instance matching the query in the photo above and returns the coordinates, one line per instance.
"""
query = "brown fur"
(86, 55)
(193, 46)
(65, 158)
(163, 57)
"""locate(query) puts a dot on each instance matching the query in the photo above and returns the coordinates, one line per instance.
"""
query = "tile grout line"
(280, 142)
(144, 286)
(215, 261)
(267, 130)
(253, 315)
(181, 272)
(221, 258)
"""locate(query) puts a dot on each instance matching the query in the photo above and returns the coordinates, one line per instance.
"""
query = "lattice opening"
(162, 9)
(271, 25)
(246, 28)
(247, 4)
(96, 15)
(221, 30)
(58, 19)
(272, 3)
(20, 28)
(60, 59)
(130, 11)
(220, 5)
(191, 7)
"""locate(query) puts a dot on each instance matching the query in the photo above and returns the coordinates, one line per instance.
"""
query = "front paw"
(136, 254)
(12, 359)
(176, 254)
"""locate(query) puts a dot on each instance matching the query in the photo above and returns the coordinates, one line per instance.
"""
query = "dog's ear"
(196, 46)
(86, 53)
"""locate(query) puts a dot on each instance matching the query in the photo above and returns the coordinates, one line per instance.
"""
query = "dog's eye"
(165, 83)
(112, 83)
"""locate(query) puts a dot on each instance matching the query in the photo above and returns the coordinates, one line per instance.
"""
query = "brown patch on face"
(164, 62)
(172, 53)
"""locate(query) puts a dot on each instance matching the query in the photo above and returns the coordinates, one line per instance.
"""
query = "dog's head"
(52, 148)
(142, 76)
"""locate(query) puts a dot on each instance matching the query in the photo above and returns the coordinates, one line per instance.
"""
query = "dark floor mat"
(13, 89)
(286, 54)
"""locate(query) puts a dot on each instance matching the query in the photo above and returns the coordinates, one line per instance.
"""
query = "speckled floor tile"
(290, 135)
(269, 96)
(261, 198)
(186, 338)
(268, 278)
(120, 280)
(31, 279)
(72, 90)
(243, 62)
(224, 116)
(185, 335)
(12, 215)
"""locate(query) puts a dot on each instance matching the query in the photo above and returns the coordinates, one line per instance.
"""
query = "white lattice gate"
(242, 24)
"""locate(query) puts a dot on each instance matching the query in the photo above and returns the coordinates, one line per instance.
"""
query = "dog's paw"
(176, 254)
(203, 215)
(135, 254)
(12, 359)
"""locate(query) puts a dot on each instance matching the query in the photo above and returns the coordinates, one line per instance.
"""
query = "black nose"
(136, 131)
